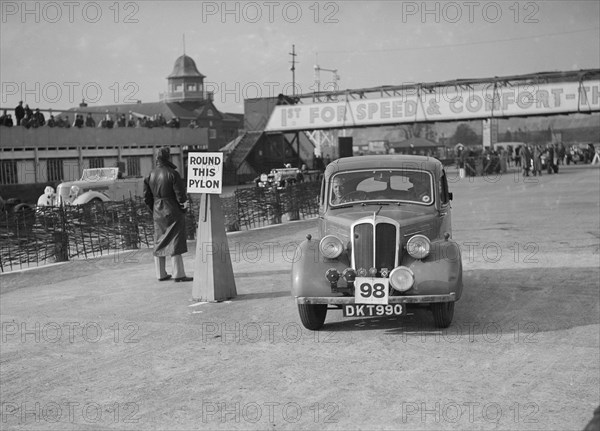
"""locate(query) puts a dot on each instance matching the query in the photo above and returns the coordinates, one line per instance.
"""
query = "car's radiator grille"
(382, 254)
(385, 246)
(363, 246)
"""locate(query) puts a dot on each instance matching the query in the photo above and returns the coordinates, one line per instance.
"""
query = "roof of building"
(183, 110)
(185, 67)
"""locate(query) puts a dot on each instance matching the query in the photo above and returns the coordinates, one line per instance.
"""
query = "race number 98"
(371, 290)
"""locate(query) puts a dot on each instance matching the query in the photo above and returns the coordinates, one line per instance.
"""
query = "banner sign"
(205, 173)
(441, 104)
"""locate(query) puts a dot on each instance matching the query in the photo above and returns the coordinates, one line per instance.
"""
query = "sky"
(53, 54)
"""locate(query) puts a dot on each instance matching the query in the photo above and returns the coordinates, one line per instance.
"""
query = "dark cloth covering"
(164, 194)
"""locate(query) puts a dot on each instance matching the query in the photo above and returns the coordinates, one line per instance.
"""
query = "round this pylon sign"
(205, 173)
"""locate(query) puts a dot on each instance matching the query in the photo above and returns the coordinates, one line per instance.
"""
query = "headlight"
(331, 246)
(73, 192)
(418, 246)
(402, 278)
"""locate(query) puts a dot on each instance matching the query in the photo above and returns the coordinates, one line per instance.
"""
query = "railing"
(33, 237)
(56, 137)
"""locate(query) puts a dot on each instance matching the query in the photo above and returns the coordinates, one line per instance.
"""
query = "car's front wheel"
(443, 312)
(312, 315)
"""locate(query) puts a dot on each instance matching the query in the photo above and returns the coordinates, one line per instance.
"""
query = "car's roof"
(392, 161)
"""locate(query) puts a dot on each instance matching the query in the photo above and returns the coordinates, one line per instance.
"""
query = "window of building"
(178, 87)
(55, 169)
(191, 87)
(209, 113)
(96, 162)
(212, 133)
(8, 172)
(133, 167)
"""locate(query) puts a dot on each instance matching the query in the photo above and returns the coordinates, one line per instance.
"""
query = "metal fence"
(33, 237)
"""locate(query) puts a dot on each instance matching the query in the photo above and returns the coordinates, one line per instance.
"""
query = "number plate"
(368, 310)
(369, 290)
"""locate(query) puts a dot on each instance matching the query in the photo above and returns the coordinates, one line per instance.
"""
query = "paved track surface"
(100, 344)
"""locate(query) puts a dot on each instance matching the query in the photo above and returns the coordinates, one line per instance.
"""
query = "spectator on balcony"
(63, 122)
(89, 121)
(19, 113)
(174, 123)
(8, 121)
(37, 119)
(78, 121)
(192, 125)
(160, 121)
(28, 112)
(27, 121)
(107, 122)
(122, 121)
(3, 118)
(131, 122)
(51, 121)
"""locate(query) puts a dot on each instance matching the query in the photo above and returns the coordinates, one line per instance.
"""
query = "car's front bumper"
(343, 300)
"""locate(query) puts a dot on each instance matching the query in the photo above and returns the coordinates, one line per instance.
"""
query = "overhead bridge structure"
(545, 93)
(293, 129)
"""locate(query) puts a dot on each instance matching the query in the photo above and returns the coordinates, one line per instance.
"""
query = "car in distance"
(99, 185)
(279, 178)
(384, 241)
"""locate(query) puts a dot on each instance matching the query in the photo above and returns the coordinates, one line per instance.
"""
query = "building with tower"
(34, 158)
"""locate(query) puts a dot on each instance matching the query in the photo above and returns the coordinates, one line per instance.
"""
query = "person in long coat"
(526, 160)
(164, 194)
(537, 161)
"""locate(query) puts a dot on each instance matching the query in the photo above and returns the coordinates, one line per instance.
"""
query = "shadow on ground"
(536, 299)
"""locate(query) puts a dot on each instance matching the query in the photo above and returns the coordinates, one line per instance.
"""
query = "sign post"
(213, 272)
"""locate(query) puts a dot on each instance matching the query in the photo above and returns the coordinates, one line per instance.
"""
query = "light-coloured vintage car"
(279, 178)
(385, 241)
(99, 185)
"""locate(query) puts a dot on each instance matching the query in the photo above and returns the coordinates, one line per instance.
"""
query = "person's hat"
(164, 153)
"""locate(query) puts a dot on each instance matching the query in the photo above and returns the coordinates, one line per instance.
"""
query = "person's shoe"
(177, 280)
(165, 278)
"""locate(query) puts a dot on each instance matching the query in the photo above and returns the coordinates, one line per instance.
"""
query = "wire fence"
(37, 236)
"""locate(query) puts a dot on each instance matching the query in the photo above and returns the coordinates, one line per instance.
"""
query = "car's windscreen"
(380, 185)
(99, 174)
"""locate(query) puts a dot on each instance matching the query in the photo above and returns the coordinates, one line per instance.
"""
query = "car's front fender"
(89, 196)
(438, 273)
(309, 268)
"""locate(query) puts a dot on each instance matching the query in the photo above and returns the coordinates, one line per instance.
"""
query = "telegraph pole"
(293, 69)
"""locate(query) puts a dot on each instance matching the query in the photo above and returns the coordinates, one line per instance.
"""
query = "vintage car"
(385, 241)
(279, 178)
(99, 185)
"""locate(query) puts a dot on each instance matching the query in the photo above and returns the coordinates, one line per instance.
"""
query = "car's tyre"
(312, 315)
(443, 312)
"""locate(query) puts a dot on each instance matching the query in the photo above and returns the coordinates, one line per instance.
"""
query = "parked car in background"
(99, 185)
(279, 178)
(384, 242)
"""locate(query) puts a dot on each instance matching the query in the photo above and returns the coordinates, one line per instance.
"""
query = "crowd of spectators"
(531, 159)
(25, 117)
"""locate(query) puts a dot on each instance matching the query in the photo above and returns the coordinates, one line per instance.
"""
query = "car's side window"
(444, 195)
